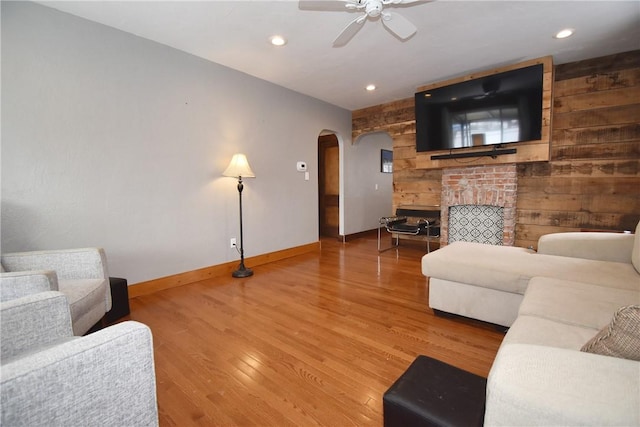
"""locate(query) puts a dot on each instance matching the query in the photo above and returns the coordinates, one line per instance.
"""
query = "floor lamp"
(239, 168)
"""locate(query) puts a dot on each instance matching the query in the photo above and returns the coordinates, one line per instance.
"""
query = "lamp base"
(242, 271)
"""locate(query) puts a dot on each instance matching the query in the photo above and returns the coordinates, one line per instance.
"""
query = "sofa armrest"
(615, 247)
(537, 385)
(69, 264)
(22, 283)
(32, 322)
(104, 378)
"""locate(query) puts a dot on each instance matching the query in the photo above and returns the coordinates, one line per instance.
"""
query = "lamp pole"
(242, 271)
(238, 168)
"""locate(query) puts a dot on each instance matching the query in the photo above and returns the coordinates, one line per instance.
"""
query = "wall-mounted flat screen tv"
(497, 109)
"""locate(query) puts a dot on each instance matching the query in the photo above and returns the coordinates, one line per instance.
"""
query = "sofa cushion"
(480, 265)
(613, 247)
(509, 268)
(536, 386)
(621, 338)
(86, 301)
(540, 331)
(574, 303)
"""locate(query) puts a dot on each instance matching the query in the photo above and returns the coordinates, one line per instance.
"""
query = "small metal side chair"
(411, 221)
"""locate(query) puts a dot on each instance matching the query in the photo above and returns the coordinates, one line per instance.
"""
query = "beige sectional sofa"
(555, 302)
(488, 283)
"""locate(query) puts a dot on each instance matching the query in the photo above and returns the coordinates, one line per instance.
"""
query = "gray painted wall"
(364, 204)
(112, 140)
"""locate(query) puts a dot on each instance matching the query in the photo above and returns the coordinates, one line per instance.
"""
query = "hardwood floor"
(311, 340)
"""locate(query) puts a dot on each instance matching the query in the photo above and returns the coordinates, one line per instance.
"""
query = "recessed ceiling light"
(277, 40)
(563, 34)
(371, 87)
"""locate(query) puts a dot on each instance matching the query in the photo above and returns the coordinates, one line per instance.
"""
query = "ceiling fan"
(394, 22)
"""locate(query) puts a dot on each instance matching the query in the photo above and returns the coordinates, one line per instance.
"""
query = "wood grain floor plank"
(313, 340)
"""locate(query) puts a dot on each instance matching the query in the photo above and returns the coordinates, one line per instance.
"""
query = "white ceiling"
(454, 38)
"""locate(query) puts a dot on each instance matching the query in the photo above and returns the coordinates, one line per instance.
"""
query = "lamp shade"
(239, 167)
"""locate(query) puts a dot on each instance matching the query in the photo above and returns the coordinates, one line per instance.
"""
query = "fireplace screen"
(476, 223)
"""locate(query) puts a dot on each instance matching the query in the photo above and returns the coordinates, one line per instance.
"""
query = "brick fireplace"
(480, 186)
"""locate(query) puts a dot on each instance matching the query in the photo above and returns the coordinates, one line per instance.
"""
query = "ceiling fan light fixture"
(397, 24)
(277, 40)
(373, 8)
(563, 34)
(370, 88)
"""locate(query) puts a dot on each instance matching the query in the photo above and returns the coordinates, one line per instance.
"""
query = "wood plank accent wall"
(592, 180)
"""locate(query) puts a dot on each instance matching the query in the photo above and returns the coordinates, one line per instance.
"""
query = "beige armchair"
(80, 274)
(48, 377)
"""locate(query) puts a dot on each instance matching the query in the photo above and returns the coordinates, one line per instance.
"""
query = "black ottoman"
(432, 393)
(119, 299)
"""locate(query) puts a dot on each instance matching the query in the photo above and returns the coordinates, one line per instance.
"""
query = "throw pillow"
(621, 338)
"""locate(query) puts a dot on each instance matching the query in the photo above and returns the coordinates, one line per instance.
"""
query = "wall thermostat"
(301, 166)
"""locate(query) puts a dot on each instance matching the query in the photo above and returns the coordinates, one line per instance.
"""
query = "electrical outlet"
(232, 242)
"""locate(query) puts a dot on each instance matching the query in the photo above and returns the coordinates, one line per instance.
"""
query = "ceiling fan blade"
(398, 25)
(394, 2)
(349, 31)
(324, 4)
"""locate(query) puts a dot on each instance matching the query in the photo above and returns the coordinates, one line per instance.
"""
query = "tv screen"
(497, 109)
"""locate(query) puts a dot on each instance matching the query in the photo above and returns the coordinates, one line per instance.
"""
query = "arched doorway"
(328, 185)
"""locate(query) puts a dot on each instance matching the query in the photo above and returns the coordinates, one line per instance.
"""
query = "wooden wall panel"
(596, 134)
(592, 180)
(602, 81)
(599, 66)
(597, 117)
(601, 99)
(396, 118)
(595, 153)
